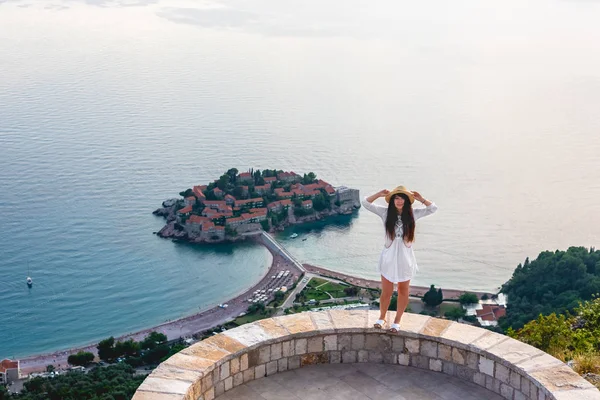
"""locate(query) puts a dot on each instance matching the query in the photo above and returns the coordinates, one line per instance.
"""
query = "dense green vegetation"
(117, 382)
(468, 298)
(555, 282)
(567, 337)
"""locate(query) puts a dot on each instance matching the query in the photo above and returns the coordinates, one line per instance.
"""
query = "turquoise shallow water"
(109, 108)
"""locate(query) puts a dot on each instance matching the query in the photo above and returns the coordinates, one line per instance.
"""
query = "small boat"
(293, 236)
(29, 280)
(304, 240)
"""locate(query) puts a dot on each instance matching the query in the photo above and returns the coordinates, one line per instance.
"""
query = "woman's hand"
(383, 192)
(418, 196)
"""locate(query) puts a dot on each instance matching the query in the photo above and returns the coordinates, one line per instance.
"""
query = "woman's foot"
(379, 324)
(395, 327)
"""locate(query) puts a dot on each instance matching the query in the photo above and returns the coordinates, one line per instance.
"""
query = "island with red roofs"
(239, 204)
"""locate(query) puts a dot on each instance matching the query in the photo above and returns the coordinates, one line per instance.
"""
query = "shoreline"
(416, 291)
(173, 329)
(214, 316)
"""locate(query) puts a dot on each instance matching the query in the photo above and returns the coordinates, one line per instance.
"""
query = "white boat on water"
(293, 235)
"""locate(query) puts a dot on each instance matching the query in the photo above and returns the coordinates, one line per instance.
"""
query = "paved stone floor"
(357, 382)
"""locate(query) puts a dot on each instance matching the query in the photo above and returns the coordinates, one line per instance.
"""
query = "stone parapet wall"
(503, 365)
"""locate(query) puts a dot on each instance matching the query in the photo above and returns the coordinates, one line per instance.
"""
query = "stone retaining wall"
(503, 365)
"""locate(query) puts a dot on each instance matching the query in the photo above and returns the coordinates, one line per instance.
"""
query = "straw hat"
(400, 189)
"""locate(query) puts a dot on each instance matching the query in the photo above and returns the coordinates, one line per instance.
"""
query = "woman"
(397, 263)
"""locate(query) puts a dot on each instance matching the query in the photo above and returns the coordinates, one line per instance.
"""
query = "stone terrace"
(428, 358)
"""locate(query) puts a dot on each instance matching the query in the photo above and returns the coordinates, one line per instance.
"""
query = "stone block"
(228, 383)
(502, 374)
(322, 322)
(282, 365)
(276, 351)
(244, 362)
(271, 368)
(429, 349)
(344, 342)
(353, 320)
(397, 344)
(378, 342)
(314, 358)
(264, 354)
(225, 372)
(238, 379)
(444, 352)
(419, 361)
(260, 371)
(435, 365)
(172, 386)
(375, 357)
(330, 342)
(492, 384)
(273, 327)
(525, 385)
(561, 378)
(207, 381)
(363, 356)
(479, 379)
(223, 342)
(512, 351)
(287, 348)
(520, 396)
(533, 391)
(335, 357)
(315, 344)
(219, 388)
(459, 356)
(515, 380)
(449, 368)
(249, 334)
(464, 373)
(506, 391)
(234, 366)
(435, 326)
(486, 366)
(294, 362)
(404, 359)
(297, 323)
(248, 375)
(456, 334)
(412, 345)
(390, 358)
(209, 394)
(584, 394)
(413, 323)
(301, 346)
(472, 360)
(348, 356)
(358, 342)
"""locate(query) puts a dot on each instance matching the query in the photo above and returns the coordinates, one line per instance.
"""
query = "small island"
(239, 204)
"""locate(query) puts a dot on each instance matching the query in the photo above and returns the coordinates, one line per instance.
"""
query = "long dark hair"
(407, 218)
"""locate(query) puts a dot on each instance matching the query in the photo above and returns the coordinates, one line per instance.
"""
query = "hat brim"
(408, 194)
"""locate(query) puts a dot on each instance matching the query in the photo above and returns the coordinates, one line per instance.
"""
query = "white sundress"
(397, 262)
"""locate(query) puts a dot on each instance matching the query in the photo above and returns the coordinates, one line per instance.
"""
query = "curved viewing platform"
(337, 354)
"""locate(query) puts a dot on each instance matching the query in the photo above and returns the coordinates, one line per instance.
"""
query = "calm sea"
(107, 108)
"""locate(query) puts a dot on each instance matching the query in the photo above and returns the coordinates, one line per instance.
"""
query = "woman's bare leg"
(387, 288)
(403, 290)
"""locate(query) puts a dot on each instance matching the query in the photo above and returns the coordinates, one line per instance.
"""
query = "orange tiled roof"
(8, 364)
(306, 202)
(285, 202)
